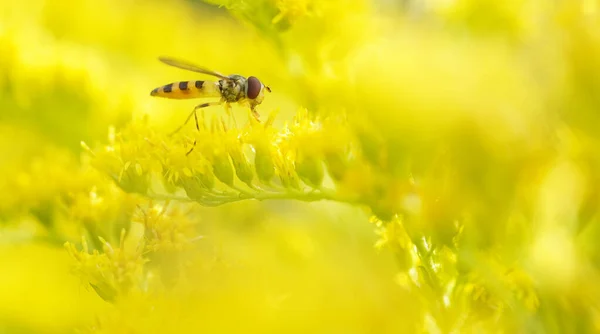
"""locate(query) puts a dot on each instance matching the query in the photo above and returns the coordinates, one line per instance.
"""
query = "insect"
(231, 89)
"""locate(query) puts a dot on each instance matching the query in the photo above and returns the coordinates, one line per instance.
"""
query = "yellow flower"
(167, 229)
(438, 119)
(292, 10)
(264, 140)
(114, 272)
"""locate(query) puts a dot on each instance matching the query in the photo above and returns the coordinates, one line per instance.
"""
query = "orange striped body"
(188, 90)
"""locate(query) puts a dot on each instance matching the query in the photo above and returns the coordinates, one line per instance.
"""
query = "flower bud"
(337, 165)
(193, 186)
(105, 291)
(286, 172)
(310, 170)
(371, 146)
(265, 168)
(207, 179)
(289, 179)
(170, 186)
(133, 180)
(222, 169)
(243, 169)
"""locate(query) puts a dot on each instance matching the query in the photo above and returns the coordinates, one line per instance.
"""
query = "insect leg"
(203, 105)
(229, 113)
(191, 149)
(255, 114)
(193, 113)
(184, 123)
(196, 119)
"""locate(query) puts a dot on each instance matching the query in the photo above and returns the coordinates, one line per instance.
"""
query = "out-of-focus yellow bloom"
(115, 272)
(166, 229)
(292, 10)
(466, 130)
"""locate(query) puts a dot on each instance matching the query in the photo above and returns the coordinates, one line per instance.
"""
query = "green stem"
(213, 200)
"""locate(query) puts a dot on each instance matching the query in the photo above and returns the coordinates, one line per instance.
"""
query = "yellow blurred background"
(490, 110)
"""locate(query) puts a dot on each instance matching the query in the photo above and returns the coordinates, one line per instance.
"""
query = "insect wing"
(190, 67)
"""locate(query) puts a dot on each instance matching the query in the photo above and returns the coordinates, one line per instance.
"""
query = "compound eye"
(254, 87)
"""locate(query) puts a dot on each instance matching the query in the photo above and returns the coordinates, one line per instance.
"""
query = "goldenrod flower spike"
(288, 161)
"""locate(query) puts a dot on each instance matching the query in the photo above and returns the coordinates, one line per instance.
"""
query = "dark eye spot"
(254, 87)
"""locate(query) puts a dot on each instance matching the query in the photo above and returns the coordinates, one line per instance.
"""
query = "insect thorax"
(233, 90)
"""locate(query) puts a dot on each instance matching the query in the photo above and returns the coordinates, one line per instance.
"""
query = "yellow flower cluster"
(166, 229)
(159, 235)
(466, 132)
(113, 273)
(221, 164)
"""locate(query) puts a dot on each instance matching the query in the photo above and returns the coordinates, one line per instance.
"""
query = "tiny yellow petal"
(138, 169)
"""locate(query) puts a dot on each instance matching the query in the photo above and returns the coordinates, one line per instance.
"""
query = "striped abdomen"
(188, 90)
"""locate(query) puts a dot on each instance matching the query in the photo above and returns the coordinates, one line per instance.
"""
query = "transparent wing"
(190, 67)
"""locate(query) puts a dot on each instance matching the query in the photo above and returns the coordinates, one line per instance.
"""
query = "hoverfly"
(231, 89)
